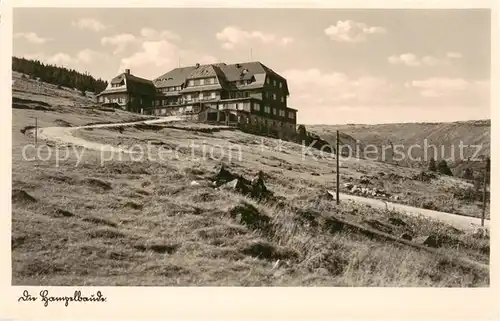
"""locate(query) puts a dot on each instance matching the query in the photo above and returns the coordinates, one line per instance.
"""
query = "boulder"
(258, 187)
(378, 225)
(429, 240)
(397, 221)
(255, 188)
(237, 185)
(348, 185)
(332, 195)
(406, 236)
(223, 176)
(21, 196)
(480, 233)
(364, 181)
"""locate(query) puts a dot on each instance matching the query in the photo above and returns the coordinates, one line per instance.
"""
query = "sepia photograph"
(250, 147)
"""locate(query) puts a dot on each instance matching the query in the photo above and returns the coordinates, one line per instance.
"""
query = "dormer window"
(119, 84)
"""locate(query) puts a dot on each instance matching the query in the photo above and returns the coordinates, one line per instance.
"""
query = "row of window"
(255, 107)
(280, 112)
(243, 82)
(276, 83)
(236, 106)
(166, 102)
(118, 99)
(120, 84)
(201, 96)
(269, 123)
(273, 96)
(202, 82)
(239, 94)
(188, 98)
(235, 94)
(171, 88)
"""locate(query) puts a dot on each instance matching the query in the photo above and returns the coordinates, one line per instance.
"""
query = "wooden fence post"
(338, 170)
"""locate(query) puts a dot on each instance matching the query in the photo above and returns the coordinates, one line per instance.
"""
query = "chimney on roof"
(197, 65)
(127, 71)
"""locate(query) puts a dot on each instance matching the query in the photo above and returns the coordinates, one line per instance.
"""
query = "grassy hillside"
(123, 221)
(445, 136)
(29, 93)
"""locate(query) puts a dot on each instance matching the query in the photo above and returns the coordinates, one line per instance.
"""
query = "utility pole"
(251, 58)
(338, 171)
(36, 130)
(485, 182)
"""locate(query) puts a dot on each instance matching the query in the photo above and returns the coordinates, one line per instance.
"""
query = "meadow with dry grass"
(145, 222)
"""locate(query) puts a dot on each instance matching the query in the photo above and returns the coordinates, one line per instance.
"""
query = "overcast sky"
(342, 66)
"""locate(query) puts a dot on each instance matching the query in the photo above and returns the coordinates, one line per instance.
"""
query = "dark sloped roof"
(118, 79)
(234, 72)
(174, 77)
(132, 78)
(133, 84)
(247, 70)
(203, 71)
(226, 74)
(112, 91)
(140, 85)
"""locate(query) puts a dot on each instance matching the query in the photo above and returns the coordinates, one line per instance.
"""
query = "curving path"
(64, 135)
(458, 221)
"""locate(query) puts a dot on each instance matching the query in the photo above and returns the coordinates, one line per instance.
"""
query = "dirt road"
(458, 221)
(64, 135)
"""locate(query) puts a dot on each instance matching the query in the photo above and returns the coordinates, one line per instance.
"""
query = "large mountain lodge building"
(248, 95)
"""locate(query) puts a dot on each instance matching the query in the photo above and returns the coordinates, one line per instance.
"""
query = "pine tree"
(468, 174)
(443, 168)
(58, 75)
(432, 165)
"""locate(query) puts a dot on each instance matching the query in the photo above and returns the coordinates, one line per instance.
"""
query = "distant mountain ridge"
(475, 135)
